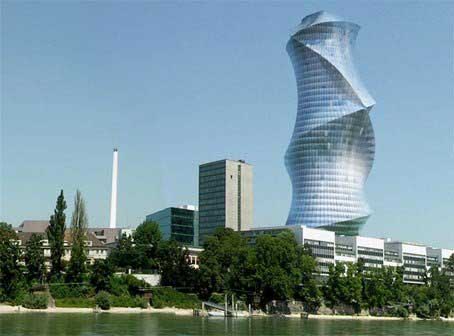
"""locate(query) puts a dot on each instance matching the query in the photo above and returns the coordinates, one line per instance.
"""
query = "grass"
(169, 297)
(75, 303)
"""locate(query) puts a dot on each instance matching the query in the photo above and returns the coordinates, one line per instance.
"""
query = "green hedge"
(33, 301)
(169, 297)
(75, 303)
(61, 291)
(128, 301)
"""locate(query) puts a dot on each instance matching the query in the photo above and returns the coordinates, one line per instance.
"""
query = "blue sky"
(177, 84)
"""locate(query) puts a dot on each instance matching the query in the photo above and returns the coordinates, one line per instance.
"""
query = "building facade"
(178, 223)
(355, 248)
(412, 257)
(226, 196)
(332, 147)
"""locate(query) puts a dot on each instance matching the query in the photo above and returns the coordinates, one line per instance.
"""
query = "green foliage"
(10, 271)
(100, 275)
(169, 297)
(225, 264)
(35, 301)
(174, 266)
(147, 238)
(79, 224)
(128, 301)
(34, 259)
(62, 291)
(56, 235)
(125, 255)
(75, 302)
(277, 266)
(308, 292)
(102, 300)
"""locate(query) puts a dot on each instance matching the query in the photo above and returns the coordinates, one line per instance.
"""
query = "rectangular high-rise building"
(225, 196)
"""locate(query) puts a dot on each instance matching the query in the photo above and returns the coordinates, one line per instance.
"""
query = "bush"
(61, 291)
(102, 300)
(33, 301)
(129, 301)
(399, 312)
(75, 303)
(169, 297)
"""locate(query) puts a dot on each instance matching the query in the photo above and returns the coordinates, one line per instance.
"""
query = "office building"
(409, 255)
(332, 147)
(355, 248)
(225, 196)
(178, 223)
(438, 257)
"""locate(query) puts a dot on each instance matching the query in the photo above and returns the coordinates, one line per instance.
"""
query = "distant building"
(95, 248)
(178, 223)
(225, 196)
(110, 236)
(353, 248)
(409, 255)
(438, 257)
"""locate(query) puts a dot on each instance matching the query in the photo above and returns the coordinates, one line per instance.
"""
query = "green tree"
(225, 264)
(79, 225)
(277, 268)
(34, 258)
(100, 275)
(125, 254)
(333, 287)
(56, 235)
(308, 291)
(10, 271)
(147, 238)
(174, 266)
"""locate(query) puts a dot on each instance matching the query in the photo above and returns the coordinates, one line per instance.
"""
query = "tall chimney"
(113, 199)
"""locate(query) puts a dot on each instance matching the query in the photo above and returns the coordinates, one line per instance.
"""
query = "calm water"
(160, 324)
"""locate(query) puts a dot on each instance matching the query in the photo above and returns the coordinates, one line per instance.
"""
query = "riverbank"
(5, 309)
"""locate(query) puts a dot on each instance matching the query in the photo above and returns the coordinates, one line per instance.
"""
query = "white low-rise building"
(411, 256)
(354, 248)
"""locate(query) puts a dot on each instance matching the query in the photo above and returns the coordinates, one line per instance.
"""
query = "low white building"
(354, 248)
(438, 257)
(411, 256)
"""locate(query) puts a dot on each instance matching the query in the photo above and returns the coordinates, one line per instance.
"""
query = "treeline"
(274, 268)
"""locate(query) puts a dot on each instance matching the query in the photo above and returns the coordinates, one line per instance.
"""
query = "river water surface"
(32, 324)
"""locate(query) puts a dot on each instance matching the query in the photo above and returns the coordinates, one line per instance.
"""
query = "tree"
(56, 235)
(34, 258)
(277, 268)
(100, 275)
(10, 272)
(308, 290)
(124, 255)
(146, 239)
(225, 264)
(174, 266)
(79, 225)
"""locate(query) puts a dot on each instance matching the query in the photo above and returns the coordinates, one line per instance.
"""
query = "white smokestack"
(113, 200)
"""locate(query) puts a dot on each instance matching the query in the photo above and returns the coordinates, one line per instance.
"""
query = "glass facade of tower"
(332, 147)
(177, 224)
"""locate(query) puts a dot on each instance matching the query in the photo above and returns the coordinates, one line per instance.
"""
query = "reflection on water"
(161, 324)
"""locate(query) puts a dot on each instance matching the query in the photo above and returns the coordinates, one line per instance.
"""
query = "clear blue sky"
(175, 85)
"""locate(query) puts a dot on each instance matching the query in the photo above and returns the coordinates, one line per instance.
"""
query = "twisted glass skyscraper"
(332, 148)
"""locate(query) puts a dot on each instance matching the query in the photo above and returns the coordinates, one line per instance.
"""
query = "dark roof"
(111, 235)
(38, 226)
(25, 236)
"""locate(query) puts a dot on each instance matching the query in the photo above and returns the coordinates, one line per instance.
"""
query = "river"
(32, 324)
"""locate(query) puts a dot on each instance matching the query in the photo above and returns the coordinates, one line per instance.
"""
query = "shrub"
(61, 291)
(169, 297)
(129, 301)
(33, 301)
(75, 303)
(102, 300)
